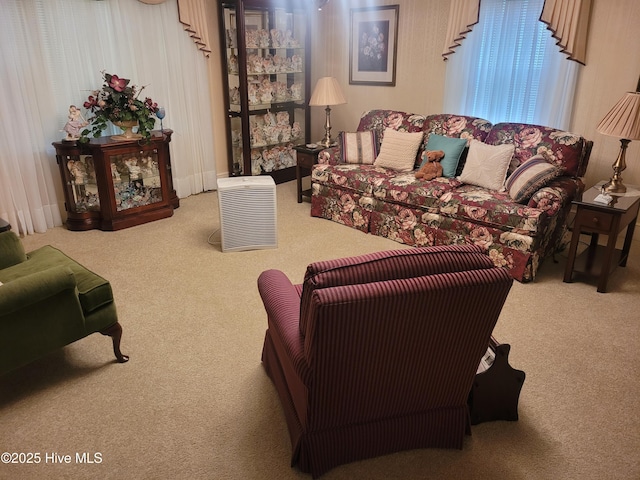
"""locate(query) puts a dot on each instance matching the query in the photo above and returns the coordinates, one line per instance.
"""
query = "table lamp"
(623, 121)
(327, 93)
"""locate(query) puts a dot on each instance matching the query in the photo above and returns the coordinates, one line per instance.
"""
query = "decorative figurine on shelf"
(134, 169)
(147, 166)
(115, 175)
(234, 95)
(257, 137)
(256, 161)
(296, 63)
(231, 37)
(77, 171)
(282, 118)
(265, 91)
(253, 93)
(281, 91)
(75, 122)
(263, 38)
(295, 130)
(233, 64)
(275, 38)
(296, 91)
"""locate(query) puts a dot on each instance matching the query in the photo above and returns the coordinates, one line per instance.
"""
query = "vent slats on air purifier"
(247, 213)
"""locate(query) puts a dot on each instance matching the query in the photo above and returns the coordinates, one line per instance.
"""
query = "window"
(509, 68)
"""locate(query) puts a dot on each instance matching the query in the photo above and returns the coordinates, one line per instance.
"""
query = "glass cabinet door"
(267, 83)
(82, 180)
(136, 179)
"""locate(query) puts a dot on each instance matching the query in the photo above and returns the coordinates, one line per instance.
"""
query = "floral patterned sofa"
(396, 205)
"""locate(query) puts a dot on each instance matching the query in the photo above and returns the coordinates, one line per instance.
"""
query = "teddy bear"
(431, 167)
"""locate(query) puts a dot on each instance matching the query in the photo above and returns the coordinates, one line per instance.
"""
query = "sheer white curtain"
(52, 54)
(509, 68)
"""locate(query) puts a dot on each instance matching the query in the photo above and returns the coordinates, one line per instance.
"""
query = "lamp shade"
(623, 121)
(327, 92)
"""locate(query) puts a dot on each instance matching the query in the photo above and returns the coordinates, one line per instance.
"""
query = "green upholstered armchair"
(47, 301)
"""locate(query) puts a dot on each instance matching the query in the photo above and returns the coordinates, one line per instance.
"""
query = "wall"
(613, 67)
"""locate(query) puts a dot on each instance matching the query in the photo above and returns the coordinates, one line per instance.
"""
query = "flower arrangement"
(115, 102)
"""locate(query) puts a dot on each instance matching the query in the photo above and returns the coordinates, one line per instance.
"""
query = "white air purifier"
(247, 213)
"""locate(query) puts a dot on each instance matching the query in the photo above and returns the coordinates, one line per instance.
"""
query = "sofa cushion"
(530, 177)
(388, 265)
(493, 209)
(457, 126)
(379, 120)
(93, 290)
(486, 165)
(398, 150)
(11, 250)
(359, 147)
(560, 148)
(452, 148)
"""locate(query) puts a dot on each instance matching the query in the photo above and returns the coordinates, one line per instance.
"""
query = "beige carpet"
(194, 402)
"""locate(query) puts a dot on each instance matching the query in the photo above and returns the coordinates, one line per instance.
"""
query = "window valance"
(192, 15)
(463, 15)
(568, 21)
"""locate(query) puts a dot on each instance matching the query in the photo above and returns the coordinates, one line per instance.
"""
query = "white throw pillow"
(487, 165)
(398, 150)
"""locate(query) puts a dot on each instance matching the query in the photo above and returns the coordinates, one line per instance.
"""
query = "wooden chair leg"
(115, 332)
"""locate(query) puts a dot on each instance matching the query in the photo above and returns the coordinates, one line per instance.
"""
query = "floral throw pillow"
(359, 147)
(530, 177)
(398, 150)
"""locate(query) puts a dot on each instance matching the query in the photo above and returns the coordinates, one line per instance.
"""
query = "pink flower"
(117, 83)
(481, 237)
(151, 105)
(90, 103)
(394, 121)
(407, 219)
(477, 213)
(529, 137)
(455, 125)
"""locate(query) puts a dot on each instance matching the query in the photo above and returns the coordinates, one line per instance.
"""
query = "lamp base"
(615, 185)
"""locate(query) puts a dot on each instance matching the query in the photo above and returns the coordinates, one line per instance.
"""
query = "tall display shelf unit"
(113, 184)
(265, 64)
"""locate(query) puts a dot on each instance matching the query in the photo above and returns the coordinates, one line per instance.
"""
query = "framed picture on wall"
(373, 45)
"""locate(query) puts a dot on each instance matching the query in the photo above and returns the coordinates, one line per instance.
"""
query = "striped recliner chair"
(377, 353)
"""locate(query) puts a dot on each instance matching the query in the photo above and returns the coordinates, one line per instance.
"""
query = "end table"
(595, 218)
(307, 157)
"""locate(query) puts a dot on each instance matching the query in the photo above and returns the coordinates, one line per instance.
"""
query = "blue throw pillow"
(452, 148)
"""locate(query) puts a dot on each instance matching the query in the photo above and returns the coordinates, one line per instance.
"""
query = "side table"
(595, 218)
(4, 225)
(307, 157)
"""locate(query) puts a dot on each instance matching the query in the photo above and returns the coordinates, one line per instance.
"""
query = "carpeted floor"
(194, 402)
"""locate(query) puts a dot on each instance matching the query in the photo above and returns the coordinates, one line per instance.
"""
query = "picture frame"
(373, 45)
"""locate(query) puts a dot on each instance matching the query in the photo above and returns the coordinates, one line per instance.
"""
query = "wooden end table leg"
(571, 259)
(608, 257)
(299, 182)
(628, 238)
